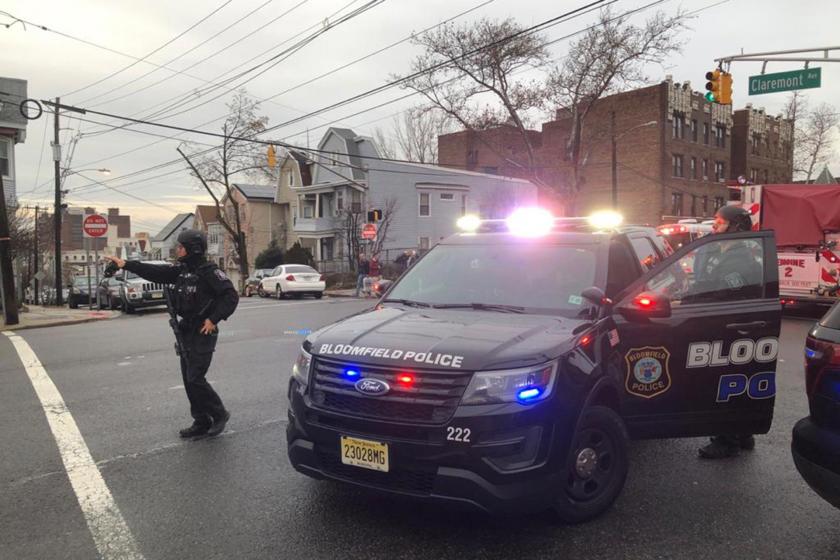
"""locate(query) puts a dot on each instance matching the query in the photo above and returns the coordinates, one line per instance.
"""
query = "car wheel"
(596, 467)
(127, 308)
(279, 292)
(260, 291)
(318, 295)
(248, 291)
(72, 303)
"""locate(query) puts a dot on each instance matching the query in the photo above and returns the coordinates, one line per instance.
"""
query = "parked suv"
(136, 293)
(816, 438)
(509, 367)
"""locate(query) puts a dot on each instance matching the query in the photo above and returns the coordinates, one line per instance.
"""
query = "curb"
(62, 323)
(340, 296)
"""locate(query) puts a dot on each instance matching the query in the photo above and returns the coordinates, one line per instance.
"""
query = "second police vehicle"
(509, 368)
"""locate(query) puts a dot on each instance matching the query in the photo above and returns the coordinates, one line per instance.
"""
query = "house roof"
(304, 166)
(207, 214)
(825, 178)
(257, 192)
(449, 172)
(352, 151)
(173, 226)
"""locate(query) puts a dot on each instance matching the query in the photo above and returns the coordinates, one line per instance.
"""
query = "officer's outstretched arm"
(163, 273)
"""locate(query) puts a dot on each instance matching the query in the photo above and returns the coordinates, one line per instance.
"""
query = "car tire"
(127, 308)
(318, 295)
(248, 292)
(279, 292)
(72, 303)
(596, 468)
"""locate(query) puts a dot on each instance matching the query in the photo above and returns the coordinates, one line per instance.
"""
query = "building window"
(754, 144)
(706, 133)
(705, 205)
(472, 157)
(5, 160)
(679, 125)
(424, 243)
(356, 202)
(339, 202)
(694, 130)
(677, 162)
(490, 170)
(676, 204)
(720, 136)
(447, 196)
(425, 210)
(720, 171)
(693, 168)
(693, 205)
(463, 204)
(753, 174)
(718, 203)
(308, 211)
(766, 176)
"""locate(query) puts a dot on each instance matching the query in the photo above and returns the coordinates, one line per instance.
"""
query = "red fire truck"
(806, 219)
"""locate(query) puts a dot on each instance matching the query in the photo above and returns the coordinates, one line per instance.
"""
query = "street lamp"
(614, 140)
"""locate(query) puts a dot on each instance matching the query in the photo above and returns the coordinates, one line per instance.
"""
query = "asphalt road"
(236, 496)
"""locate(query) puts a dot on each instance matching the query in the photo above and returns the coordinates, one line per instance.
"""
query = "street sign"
(39, 276)
(785, 81)
(369, 231)
(94, 225)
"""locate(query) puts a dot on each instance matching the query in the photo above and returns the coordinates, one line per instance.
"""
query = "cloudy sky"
(242, 33)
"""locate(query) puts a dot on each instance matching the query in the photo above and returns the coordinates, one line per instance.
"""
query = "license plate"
(157, 296)
(364, 453)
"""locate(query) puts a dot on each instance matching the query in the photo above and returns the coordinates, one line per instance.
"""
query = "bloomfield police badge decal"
(647, 371)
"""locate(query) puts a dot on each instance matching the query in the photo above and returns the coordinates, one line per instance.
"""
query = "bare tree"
(389, 211)
(814, 139)
(235, 156)
(386, 145)
(414, 135)
(610, 57)
(473, 79)
(352, 234)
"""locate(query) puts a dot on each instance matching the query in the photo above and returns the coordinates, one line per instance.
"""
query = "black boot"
(219, 424)
(194, 431)
(720, 447)
(747, 442)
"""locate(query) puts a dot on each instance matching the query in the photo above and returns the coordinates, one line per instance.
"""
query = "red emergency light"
(405, 379)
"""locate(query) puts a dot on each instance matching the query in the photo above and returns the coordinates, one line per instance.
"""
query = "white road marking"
(110, 533)
(123, 363)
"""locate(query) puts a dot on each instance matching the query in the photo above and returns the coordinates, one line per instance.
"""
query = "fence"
(339, 266)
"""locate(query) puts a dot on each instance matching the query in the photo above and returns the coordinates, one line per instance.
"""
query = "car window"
(277, 271)
(622, 270)
(645, 251)
(300, 269)
(720, 271)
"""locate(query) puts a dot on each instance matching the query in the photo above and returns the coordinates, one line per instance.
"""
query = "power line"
(163, 46)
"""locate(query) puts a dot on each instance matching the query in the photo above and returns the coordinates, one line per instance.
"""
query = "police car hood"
(445, 339)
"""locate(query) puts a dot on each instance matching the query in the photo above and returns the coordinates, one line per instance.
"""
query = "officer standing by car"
(203, 296)
(733, 268)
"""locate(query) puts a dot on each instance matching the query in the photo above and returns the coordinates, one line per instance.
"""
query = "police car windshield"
(538, 277)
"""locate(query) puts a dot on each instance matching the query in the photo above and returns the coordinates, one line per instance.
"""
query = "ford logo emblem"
(373, 387)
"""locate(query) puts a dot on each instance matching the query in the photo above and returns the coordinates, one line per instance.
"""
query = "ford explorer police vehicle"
(509, 367)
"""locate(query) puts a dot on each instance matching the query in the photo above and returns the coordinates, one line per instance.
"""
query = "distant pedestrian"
(402, 261)
(362, 270)
(374, 272)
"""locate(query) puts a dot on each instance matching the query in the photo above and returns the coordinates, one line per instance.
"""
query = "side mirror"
(596, 296)
(646, 306)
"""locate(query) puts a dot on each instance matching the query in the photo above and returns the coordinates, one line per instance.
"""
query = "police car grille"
(401, 480)
(432, 398)
(152, 287)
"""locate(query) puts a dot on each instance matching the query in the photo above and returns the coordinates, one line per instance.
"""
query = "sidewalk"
(343, 293)
(37, 316)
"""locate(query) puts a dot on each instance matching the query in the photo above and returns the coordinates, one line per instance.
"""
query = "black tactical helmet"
(194, 241)
(738, 218)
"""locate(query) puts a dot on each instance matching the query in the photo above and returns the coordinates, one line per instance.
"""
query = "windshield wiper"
(408, 302)
(482, 307)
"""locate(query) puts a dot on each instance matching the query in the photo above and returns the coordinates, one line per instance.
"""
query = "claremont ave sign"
(785, 81)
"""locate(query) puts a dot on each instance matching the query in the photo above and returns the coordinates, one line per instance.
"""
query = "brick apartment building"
(673, 153)
(762, 147)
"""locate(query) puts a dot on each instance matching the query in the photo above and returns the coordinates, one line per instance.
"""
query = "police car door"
(699, 339)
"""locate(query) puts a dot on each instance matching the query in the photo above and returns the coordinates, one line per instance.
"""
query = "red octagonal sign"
(95, 225)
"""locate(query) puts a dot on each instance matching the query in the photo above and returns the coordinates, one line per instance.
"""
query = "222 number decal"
(461, 435)
(788, 272)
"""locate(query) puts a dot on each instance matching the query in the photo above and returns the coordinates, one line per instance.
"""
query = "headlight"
(300, 370)
(524, 385)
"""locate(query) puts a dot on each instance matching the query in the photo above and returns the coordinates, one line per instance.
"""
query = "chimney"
(89, 210)
(113, 211)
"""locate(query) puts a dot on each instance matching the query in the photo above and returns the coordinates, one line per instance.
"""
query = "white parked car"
(297, 279)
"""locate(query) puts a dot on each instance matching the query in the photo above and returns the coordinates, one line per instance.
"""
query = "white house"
(12, 132)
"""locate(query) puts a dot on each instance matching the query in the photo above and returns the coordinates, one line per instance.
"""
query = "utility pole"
(10, 309)
(59, 300)
(37, 268)
(614, 163)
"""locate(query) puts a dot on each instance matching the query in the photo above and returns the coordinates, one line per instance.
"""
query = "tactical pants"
(196, 354)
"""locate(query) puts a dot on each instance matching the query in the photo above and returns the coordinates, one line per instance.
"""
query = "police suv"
(508, 369)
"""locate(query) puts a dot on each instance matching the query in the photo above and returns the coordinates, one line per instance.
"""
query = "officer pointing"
(203, 296)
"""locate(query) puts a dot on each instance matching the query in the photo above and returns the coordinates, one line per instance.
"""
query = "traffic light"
(725, 88)
(713, 86)
(374, 215)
